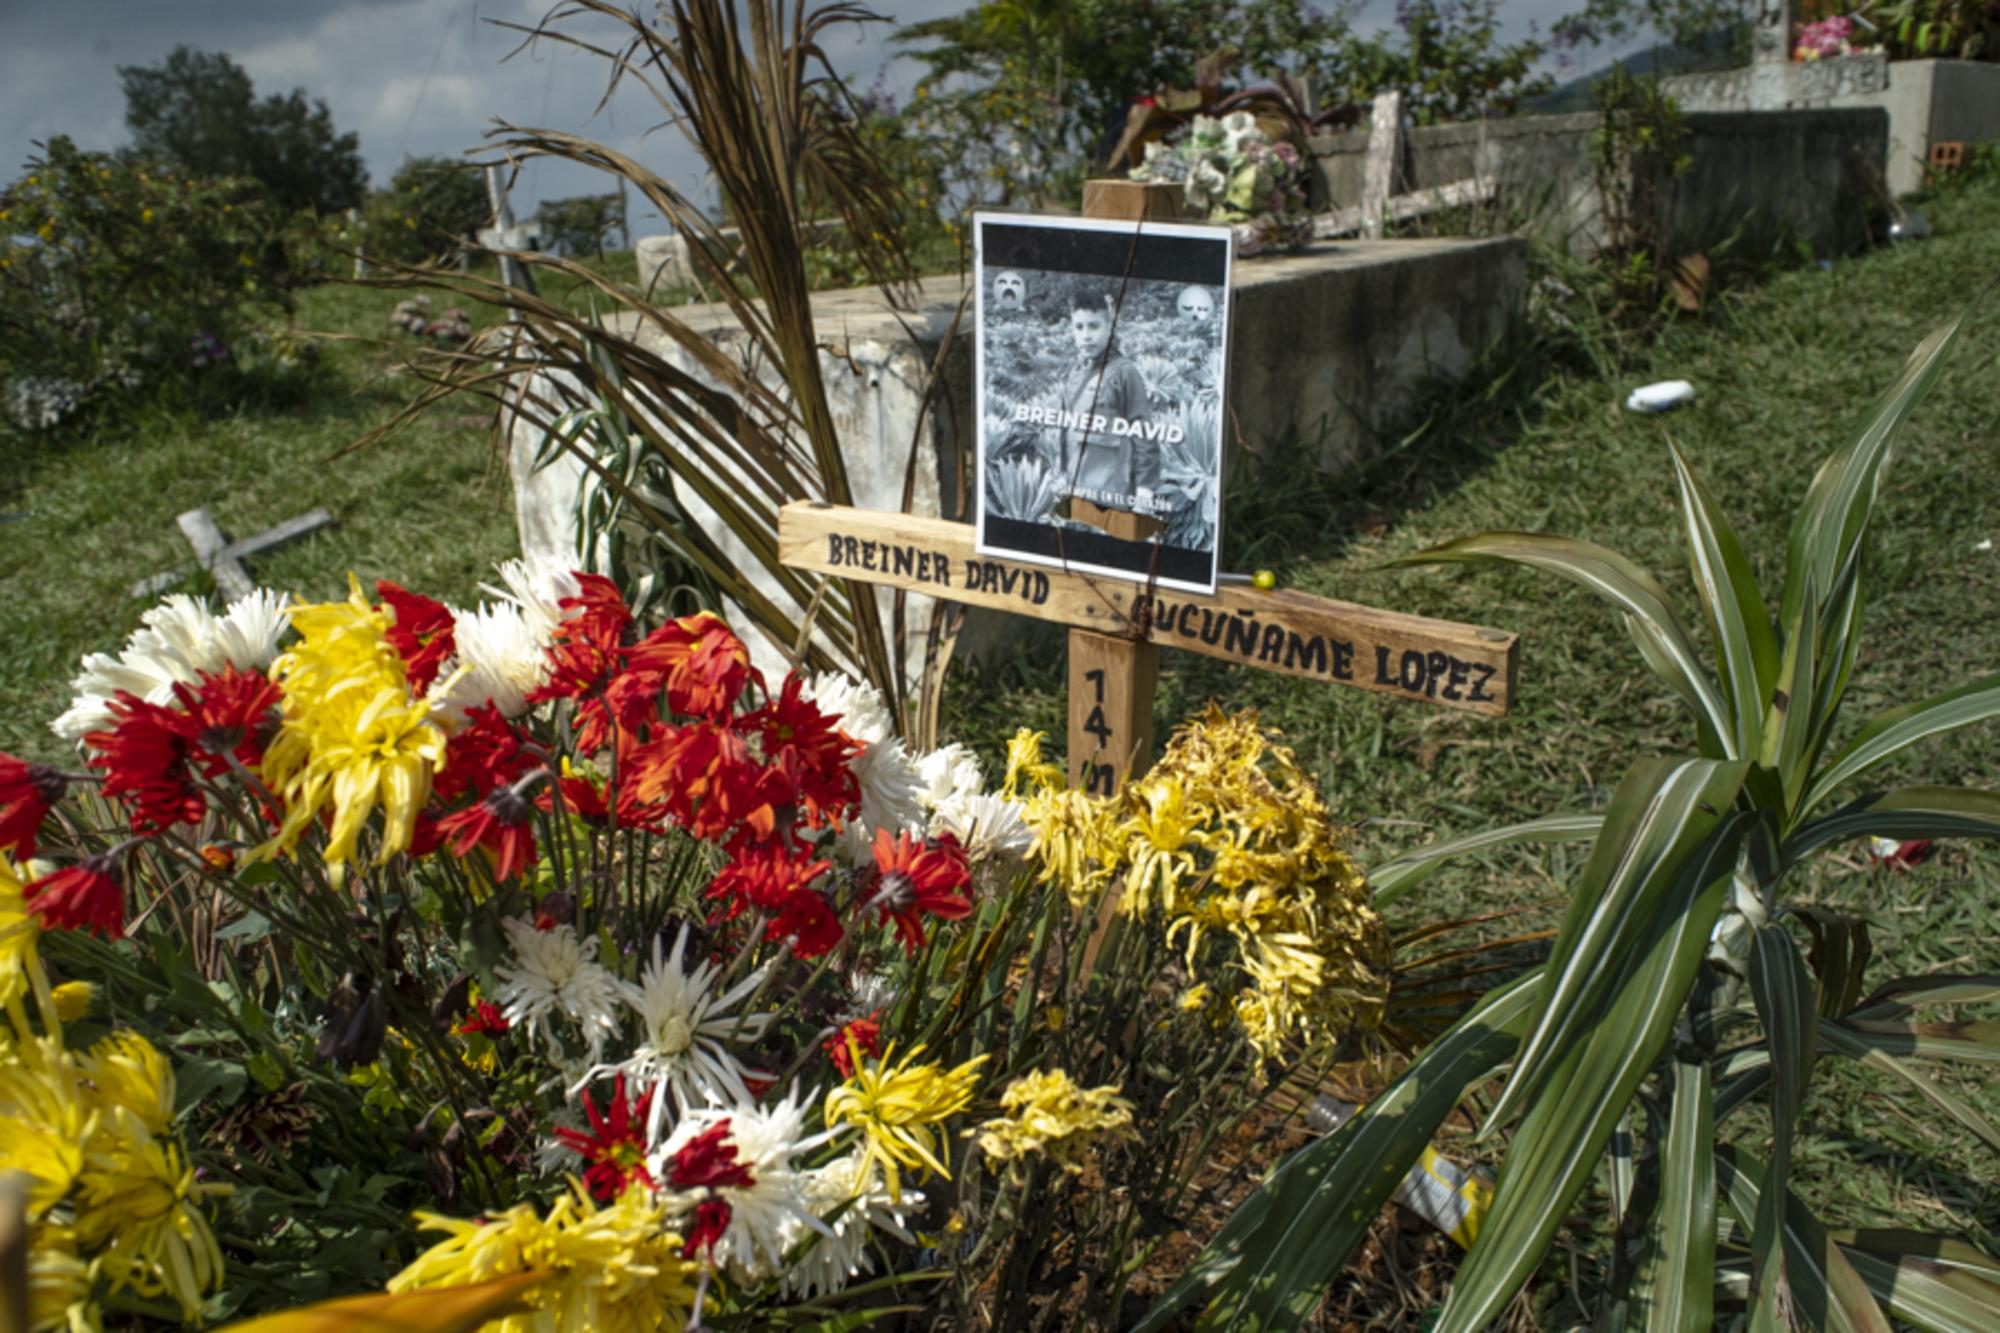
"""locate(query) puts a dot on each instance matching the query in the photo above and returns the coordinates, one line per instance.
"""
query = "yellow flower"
(59, 1281)
(126, 1071)
(616, 1268)
(140, 1203)
(43, 1121)
(145, 215)
(1074, 842)
(74, 1000)
(21, 972)
(351, 735)
(1026, 765)
(894, 1107)
(1048, 1115)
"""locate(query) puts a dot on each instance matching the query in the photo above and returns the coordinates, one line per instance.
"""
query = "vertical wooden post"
(1111, 679)
(1385, 153)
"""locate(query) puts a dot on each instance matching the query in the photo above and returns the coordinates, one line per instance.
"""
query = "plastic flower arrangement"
(693, 994)
(1233, 172)
(1824, 39)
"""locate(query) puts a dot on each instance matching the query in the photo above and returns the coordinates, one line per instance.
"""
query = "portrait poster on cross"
(1099, 355)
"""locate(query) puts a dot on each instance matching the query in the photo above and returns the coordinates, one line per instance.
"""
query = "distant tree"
(198, 111)
(432, 208)
(581, 225)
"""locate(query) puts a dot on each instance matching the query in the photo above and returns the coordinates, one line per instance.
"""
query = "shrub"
(116, 279)
(430, 210)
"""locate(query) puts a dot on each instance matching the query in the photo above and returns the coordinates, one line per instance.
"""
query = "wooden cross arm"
(1439, 662)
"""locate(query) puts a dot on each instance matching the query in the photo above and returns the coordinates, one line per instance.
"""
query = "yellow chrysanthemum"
(43, 1121)
(59, 1281)
(74, 1000)
(21, 973)
(616, 1268)
(1074, 842)
(896, 1106)
(140, 1212)
(1027, 771)
(352, 736)
(125, 1070)
(1048, 1115)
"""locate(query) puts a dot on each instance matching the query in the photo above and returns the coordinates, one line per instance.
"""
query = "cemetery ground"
(1783, 370)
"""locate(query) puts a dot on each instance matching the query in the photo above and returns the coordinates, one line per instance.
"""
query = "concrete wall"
(1335, 345)
(1759, 177)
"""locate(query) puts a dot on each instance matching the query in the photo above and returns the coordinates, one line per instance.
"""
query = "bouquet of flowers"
(625, 973)
(1233, 172)
(1824, 39)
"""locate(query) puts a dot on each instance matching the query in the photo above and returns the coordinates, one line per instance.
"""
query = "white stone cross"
(222, 558)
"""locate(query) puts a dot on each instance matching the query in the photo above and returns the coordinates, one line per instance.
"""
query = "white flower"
(854, 705)
(557, 973)
(986, 826)
(766, 1215)
(949, 773)
(1240, 130)
(850, 1196)
(683, 1031)
(177, 640)
(891, 788)
(538, 587)
(504, 659)
(1206, 184)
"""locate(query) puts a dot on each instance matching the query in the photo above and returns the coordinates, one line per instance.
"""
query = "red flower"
(27, 793)
(145, 759)
(1906, 855)
(866, 1034)
(705, 665)
(500, 824)
(708, 781)
(709, 1161)
(711, 1219)
(630, 702)
(914, 876)
(89, 895)
(584, 650)
(230, 713)
(484, 1019)
(485, 754)
(615, 1148)
(423, 634)
(424, 836)
(773, 881)
(810, 750)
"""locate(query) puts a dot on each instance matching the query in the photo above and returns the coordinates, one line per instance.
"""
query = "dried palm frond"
(742, 423)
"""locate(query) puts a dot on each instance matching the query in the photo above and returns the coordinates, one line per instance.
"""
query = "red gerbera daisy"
(583, 652)
(423, 634)
(89, 895)
(501, 825)
(231, 713)
(27, 793)
(145, 760)
(615, 1148)
(914, 876)
(706, 777)
(810, 750)
(773, 881)
(866, 1036)
(704, 664)
(486, 753)
(484, 1019)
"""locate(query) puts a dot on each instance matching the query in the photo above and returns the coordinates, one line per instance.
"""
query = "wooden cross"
(1380, 204)
(1117, 627)
(224, 558)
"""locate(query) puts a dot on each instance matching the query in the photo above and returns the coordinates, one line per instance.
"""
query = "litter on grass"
(1662, 397)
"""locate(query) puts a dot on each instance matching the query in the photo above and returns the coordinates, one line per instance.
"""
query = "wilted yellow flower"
(21, 972)
(43, 1121)
(1048, 1115)
(1025, 765)
(1074, 842)
(351, 735)
(140, 1211)
(125, 1070)
(617, 1268)
(895, 1108)
(59, 1281)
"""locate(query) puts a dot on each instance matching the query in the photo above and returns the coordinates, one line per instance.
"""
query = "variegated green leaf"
(1908, 994)
(1662, 638)
(1565, 1129)
(1838, 1038)
(1973, 1041)
(1824, 1291)
(1900, 728)
(1839, 956)
(1392, 879)
(1677, 1290)
(1783, 989)
(1658, 831)
(1272, 1261)
(1789, 724)
(1746, 649)
(1920, 1291)
(1906, 812)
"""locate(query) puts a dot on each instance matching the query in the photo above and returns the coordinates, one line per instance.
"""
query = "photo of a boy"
(1118, 470)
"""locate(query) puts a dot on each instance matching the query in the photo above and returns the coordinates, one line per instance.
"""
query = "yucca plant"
(1677, 995)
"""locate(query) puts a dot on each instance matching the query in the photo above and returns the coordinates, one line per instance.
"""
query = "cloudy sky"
(410, 76)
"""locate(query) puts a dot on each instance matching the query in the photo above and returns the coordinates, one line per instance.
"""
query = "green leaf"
(1976, 1041)
(1900, 728)
(1657, 830)
(1907, 994)
(1392, 879)
(1836, 509)
(219, 1082)
(1662, 639)
(1825, 1291)
(1783, 989)
(1565, 1129)
(1941, 1297)
(1746, 648)
(1790, 724)
(1838, 1038)
(1331, 1191)
(1677, 1290)
(1905, 812)
(1839, 956)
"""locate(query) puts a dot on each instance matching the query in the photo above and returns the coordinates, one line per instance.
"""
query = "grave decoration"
(1117, 600)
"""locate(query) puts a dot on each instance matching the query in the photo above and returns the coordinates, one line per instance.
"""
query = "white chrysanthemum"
(850, 1196)
(949, 773)
(684, 1031)
(557, 973)
(537, 586)
(855, 705)
(892, 791)
(986, 826)
(176, 641)
(503, 660)
(766, 1215)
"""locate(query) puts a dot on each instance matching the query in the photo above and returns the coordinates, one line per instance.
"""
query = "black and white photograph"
(1099, 380)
